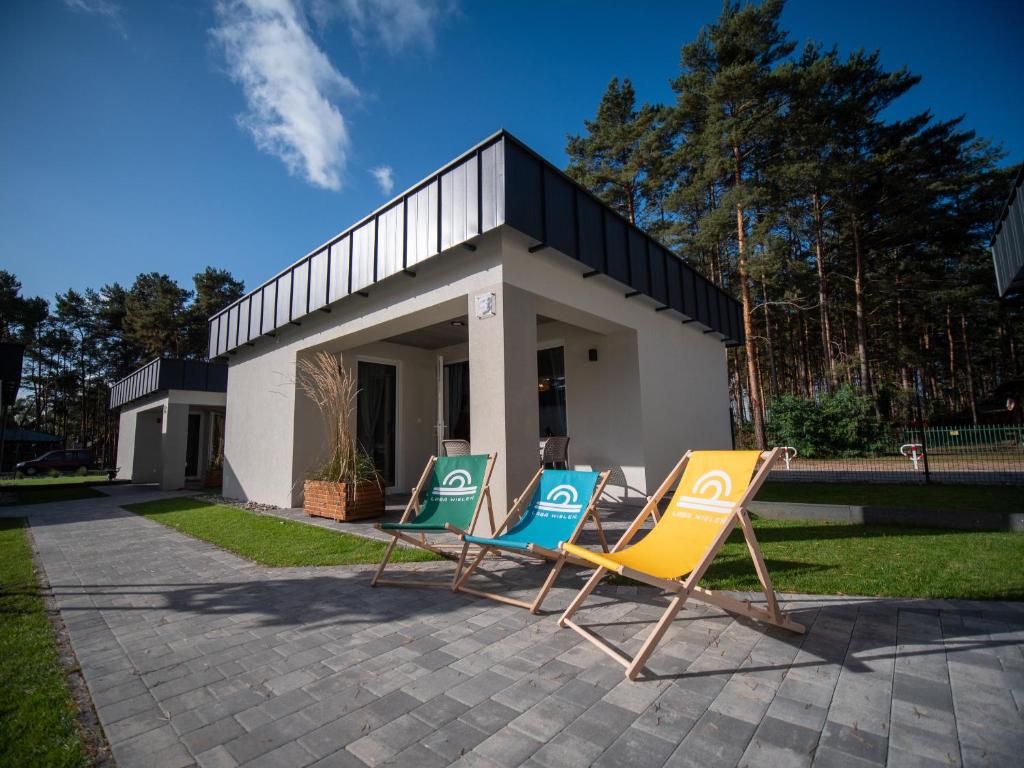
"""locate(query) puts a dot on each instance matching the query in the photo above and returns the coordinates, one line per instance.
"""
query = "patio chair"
(456, 447)
(447, 498)
(711, 498)
(555, 452)
(560, 502)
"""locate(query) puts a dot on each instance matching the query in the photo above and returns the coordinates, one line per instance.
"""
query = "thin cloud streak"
(395, 24)
(105, 8)
(290, 87)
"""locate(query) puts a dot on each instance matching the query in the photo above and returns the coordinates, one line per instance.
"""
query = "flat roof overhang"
(1008, 242)
(499, 182)
(167, 373)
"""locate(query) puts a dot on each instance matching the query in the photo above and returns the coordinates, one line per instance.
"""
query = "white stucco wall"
(658, 388)
(680, 372)
(263, 460)
(152, 435)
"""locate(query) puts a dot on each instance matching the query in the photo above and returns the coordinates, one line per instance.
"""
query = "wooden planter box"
(343, 501)
(213, 478)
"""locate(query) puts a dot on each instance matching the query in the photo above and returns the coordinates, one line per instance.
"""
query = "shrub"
(81, 472)
(839, 425)
(53, 473)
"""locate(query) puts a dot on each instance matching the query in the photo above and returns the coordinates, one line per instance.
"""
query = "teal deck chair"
(557, 505)
(448, 497)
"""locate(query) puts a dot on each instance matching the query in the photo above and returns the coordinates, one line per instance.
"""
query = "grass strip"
(37, 713)
(952, 497)
(825, 558)
(267, 539)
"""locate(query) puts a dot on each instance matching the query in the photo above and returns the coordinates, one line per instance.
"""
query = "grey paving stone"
(453, 740)
(507, 748)
(637, 749)
(489, 716)
(210, 736)
(862, 744)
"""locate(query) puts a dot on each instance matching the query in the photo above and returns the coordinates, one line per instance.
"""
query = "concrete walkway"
(196, 656)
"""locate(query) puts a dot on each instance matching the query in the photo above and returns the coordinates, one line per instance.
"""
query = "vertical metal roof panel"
(500, 181)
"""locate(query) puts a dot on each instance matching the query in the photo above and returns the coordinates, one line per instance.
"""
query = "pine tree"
(155, 315)
(730, 76)
(619, 158)
(214, 290)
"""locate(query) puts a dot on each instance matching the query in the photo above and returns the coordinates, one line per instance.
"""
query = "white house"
(171, 424)
(498, 301)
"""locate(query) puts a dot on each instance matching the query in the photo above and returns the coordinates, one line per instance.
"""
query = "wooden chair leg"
(548, 583)
(759, 566)
(472, 566)
(384, 561)
(600, 531)
(458, 568)
(654, 638)
(583, 595)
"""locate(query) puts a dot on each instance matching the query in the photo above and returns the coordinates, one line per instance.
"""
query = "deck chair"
(448, 497)
(711, 498)
(554, 507)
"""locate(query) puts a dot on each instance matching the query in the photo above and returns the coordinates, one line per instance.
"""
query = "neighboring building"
(496, 300)
(1008, 241)
(21, 444)
(172, 421)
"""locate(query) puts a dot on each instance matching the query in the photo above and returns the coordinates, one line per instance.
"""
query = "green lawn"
(267, 539)
(30, 482)
(37, 715)
(45, 495)
(835, 558)
(961, 498)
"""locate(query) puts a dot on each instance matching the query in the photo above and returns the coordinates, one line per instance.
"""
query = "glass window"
(551, 391)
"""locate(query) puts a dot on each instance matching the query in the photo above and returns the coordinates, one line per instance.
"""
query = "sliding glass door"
(376, 416)
(551, 391)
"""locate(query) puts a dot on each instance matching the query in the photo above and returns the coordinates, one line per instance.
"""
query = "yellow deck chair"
(711, 498)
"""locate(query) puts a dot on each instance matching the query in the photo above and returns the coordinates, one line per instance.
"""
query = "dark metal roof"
(169, 373)
(498, 182)
(1008, 241)
(20, 435)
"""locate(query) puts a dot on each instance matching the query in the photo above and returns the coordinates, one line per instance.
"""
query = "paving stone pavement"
(195, 656)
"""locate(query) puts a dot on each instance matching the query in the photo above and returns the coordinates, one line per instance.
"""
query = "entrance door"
(457, 404)
(551, 391)
(192, 445)
(376, 416)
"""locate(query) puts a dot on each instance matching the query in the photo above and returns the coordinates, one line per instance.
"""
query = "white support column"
(174, 439)
(504, 414)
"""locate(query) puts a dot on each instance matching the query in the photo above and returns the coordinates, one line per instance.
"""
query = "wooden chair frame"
(682, 589)
(535, 550)
(412, 510)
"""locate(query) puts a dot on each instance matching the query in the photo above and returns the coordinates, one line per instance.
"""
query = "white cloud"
(385, 177)
(290, 86)
(396, 24)
(106, 8)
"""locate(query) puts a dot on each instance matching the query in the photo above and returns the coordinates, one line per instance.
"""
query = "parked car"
(62, 461)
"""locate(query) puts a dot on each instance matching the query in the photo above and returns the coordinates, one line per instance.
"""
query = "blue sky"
(168, 135)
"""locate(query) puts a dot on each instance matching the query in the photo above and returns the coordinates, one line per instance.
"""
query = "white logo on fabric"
(561, 499)
(708, 492)
(456, 483)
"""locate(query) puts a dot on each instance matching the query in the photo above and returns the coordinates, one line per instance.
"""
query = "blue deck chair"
(448, 497)
(560, 501)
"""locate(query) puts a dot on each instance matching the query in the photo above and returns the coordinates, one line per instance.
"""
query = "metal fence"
(988, 454)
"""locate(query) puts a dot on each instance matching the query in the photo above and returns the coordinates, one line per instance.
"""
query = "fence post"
(924, 430)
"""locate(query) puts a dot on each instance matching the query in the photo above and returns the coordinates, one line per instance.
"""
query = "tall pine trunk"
(862, 322)
(826, 330)
(754, 387)
(951, 352)
(969, 369)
